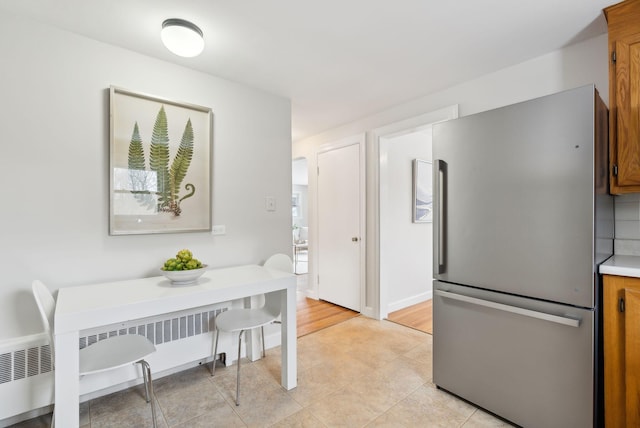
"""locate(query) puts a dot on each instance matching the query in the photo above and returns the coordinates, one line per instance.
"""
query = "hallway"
(418, 316)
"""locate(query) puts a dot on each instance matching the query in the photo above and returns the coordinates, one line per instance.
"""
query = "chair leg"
(264, 352)
(147, 369)
(145, 378)
(215, 351)
(238, 375)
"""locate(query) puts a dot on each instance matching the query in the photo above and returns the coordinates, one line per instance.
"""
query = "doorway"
(300, 215)
(341, 222)
(404, 245)
(407, 273)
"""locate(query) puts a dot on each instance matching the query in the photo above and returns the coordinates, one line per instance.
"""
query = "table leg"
(289, 338)
(67, 380)
(252, 336)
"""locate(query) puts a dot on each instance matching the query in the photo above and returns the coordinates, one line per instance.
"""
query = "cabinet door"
(614, 392)
(632, 355)
(627, 113)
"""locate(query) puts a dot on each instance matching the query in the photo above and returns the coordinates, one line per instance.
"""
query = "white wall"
(576, 65)
(54, 137)
(627, 224)
(406, 273)
(302, 219)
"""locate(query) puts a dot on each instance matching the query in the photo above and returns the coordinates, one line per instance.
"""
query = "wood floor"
(419, 317)
(313, 315)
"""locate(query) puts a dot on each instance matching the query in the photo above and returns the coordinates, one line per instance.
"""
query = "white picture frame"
(160, 165)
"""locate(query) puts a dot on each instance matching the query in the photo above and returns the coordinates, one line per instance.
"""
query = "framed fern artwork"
(160, 165)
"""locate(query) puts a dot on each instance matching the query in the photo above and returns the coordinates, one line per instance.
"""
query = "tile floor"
(359, 373)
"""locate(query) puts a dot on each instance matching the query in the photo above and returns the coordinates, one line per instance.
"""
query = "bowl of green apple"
(183, 268)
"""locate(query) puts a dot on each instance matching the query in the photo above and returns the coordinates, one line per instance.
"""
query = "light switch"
(219, 229)
(270, 203)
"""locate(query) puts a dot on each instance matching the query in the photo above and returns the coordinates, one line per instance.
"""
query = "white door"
(339, 214)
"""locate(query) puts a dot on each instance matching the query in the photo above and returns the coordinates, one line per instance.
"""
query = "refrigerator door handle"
(571, 322)
(440, 216)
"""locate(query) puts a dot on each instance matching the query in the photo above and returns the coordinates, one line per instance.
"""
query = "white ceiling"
(337, 60)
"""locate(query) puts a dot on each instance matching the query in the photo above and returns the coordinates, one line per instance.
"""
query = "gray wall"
(54, 137)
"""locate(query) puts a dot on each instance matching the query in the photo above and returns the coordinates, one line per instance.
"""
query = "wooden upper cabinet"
(623, 20)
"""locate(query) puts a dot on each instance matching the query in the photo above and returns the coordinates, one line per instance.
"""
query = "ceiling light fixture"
(182, 37)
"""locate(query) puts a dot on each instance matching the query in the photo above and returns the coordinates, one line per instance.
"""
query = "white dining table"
(84, 307)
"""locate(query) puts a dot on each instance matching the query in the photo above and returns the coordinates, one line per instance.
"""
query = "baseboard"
(413, 300)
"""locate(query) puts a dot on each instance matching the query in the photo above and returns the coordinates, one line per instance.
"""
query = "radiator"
(26, 363)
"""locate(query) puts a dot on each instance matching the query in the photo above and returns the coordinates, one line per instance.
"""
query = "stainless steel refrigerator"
(522, 218)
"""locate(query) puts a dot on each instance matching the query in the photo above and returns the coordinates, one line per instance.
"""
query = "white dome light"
(182, 37)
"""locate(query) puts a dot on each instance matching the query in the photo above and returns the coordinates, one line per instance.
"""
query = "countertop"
(622, 266)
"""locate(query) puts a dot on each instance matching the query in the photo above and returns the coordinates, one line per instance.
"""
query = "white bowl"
(182, 277)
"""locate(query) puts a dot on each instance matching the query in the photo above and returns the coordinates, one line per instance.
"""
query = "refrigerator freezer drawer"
(528, 361)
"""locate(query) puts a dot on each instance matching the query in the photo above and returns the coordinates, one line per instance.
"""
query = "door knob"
(354, 239)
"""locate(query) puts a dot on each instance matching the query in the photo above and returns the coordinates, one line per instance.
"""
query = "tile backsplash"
(627, 232)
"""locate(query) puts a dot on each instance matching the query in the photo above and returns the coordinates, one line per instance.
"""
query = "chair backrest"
(272, 303)
(46, 306)
(272, 300)
(280, 262)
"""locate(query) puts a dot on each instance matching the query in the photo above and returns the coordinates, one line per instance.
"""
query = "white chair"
(241, 320)
(300, 245)
(107, 354)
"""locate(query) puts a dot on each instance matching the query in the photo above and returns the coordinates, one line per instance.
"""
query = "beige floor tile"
(480, 419)
(124, 408)
(256, 383)
(315, 348)
(273, 408)
(272, 363)
(219, 414)
(422, 351)
(186, 395)
(345, 408)
(383, 392)
(407, 371)
(301, 419)
(402, 416)
(429, 406)
(263, 401)
(409, 414)
(184, 378)
(85, 415)
(314, 384)
(43, 421)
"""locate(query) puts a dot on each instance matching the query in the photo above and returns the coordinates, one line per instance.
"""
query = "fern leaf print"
(159, 158)
(137, 170)
(182, 160)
